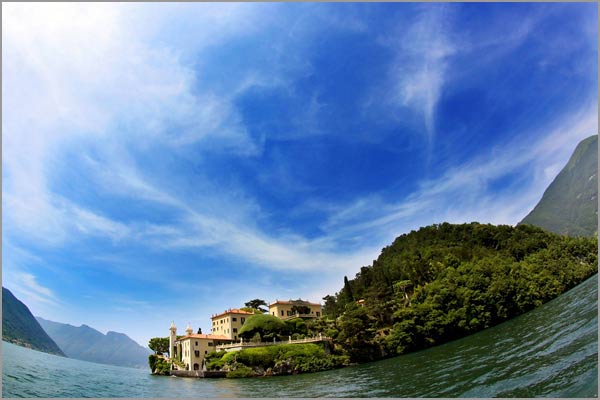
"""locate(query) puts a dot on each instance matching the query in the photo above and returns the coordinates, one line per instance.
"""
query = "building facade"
(288, 309)
(192, 348)
(229, 322)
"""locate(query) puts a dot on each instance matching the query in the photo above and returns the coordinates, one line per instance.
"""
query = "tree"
(159, 345)
(400, 287)
(199, 331)
(347, 290)
(251, 310)
(267, 326)
(300, 307)
(256, 304)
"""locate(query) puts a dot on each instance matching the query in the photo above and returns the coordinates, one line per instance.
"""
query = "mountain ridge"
(20, 327)
(569, 205)
(88, 344)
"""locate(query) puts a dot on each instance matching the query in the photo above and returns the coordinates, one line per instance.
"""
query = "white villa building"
(193, 347)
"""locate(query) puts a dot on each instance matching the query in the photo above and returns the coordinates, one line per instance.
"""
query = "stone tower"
(172, 339)
(189, 329)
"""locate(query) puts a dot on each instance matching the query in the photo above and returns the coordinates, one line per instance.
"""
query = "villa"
(286, 309)
(193, 347)
(229, 322)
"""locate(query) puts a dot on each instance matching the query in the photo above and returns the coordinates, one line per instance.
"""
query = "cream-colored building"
(229, 322)
(192, 348)
(284, 309)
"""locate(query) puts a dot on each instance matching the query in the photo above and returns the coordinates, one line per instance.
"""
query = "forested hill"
(446, 281)
(20, 327)
(86, 343)
(569, 205)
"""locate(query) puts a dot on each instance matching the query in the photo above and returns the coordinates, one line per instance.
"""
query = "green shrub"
(258, 356)
(159, 365)
(296, 326)
(241, 372)
(229, 358)
(152, 359)
(267, 326)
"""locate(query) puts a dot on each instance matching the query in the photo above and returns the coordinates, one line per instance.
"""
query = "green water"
(550, 352)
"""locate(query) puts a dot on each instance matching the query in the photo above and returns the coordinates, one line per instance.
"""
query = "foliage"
(214, 360)
(296, 326)
(447, 281)
(300, 307)
(267, 326)
(256, 305)
(159, 345)
(252, 310)
(281, 359)
(21, 328)
(241, 372)
(158, 365)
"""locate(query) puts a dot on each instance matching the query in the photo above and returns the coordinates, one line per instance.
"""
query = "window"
(210, 344)
(318, 314)
(196, 343)
(234, 319)
(243, 319)
(289, 313)
(205, 351)
(273, 313)
(234, 330)
(282, 313)
(197, 353)
(235, 337)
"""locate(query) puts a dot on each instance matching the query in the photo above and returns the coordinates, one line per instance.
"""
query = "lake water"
(551, 351)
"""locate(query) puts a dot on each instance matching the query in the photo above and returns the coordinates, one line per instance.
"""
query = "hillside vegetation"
(569, 205)
(282, 359)
(447, 281)
(20, 327)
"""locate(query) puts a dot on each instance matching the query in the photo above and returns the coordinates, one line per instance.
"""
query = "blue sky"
(168, 161)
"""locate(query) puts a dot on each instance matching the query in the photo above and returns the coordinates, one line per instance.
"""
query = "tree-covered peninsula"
(447, 281)
(428, 287)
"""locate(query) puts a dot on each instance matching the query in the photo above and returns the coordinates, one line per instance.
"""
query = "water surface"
(549, 352)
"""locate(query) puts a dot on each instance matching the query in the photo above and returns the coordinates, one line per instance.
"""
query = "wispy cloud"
(418, 74)
(142, 144)
(464, 193)
(61, 92)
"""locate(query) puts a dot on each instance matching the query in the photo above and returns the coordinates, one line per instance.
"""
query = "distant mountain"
(20, 327)
(570, 204)
(86, 343)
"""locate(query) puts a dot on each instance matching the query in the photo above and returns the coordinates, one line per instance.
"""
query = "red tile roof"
(203, 336)
(232, 311)
(292, 302)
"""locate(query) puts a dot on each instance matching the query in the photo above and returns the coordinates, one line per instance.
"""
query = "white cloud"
(80, 73)
(418, 75)
(463, 193)
(25, 286)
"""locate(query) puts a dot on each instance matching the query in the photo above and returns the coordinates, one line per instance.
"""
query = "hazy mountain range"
(86, 343)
